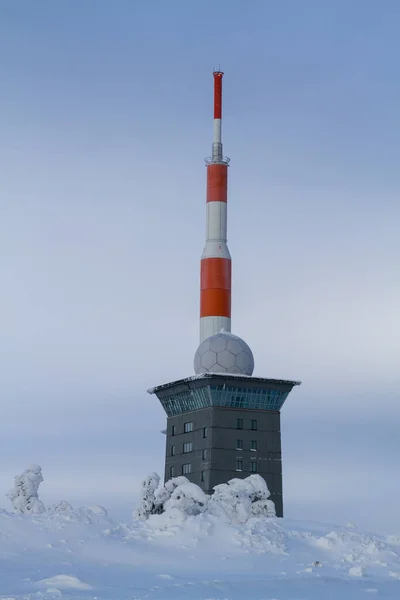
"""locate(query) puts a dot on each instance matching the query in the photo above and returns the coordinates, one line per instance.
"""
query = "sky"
(105, 119)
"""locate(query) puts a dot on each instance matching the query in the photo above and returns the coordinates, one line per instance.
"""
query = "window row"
(253, 466)
(188, 428)
(226, 396)
(253, 445)
(253, 424)
(186, 470)
(188, 447)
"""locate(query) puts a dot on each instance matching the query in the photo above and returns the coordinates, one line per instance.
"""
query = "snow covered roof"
(225, 376)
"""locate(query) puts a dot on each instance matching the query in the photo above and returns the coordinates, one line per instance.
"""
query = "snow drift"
(189, 546)
(83, 553)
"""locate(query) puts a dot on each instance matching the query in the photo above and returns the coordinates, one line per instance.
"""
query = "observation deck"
(223, 390)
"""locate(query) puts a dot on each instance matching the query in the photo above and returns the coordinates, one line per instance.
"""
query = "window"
(172, 450)
(188, 447)
(253, 466)
(173, 430)
(239, 465)
(205, 432)
(239, 424)
(239, 444)
(253, 425)
(204, 454)
(253, 445)
(172, 471)
(202, 476)
(188, 427)
(228, 396)
(186, 469)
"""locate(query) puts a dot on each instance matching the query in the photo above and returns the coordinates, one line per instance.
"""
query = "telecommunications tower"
(222, 422)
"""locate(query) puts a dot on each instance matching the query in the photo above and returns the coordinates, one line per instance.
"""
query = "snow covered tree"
(235, 502)
(231, 501)
(62, 507)
(187, 498)
(164, 493)
(177, 495)
(240, 499)
(173, 483)
(24, 497)
(261, 506)
(147, 505)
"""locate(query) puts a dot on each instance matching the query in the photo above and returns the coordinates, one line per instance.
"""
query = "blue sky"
(105, 117)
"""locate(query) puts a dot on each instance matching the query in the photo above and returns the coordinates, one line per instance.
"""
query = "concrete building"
(222, 422)
(221, 426)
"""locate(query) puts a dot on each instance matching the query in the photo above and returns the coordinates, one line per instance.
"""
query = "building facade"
(221, 426)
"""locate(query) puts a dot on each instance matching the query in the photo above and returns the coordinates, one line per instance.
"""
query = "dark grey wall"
(220, 446)
(200, 419)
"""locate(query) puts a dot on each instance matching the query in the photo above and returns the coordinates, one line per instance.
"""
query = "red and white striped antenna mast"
(215, 278)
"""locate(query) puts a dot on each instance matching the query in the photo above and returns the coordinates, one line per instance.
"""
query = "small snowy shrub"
(187, 498)
(240, 499)
(61, 507)
(147, 505)
(164, 493)
(173, 483)
(24, 496)
(153, 499)
(260, 505)
(259, 487)
(231, 501)
(263, 508)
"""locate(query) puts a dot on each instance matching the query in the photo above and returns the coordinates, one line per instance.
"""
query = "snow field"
(185, 545)
(83, 553)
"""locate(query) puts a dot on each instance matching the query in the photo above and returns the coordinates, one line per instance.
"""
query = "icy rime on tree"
(240, 499)
(24, 496)
(234, 502)
(147, 504)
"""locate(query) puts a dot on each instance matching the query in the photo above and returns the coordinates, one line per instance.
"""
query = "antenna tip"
(218, 72)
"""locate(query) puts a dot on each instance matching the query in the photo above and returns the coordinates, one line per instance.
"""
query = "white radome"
(224, 353)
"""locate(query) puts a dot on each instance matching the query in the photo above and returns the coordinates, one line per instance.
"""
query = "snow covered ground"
(83, 554)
